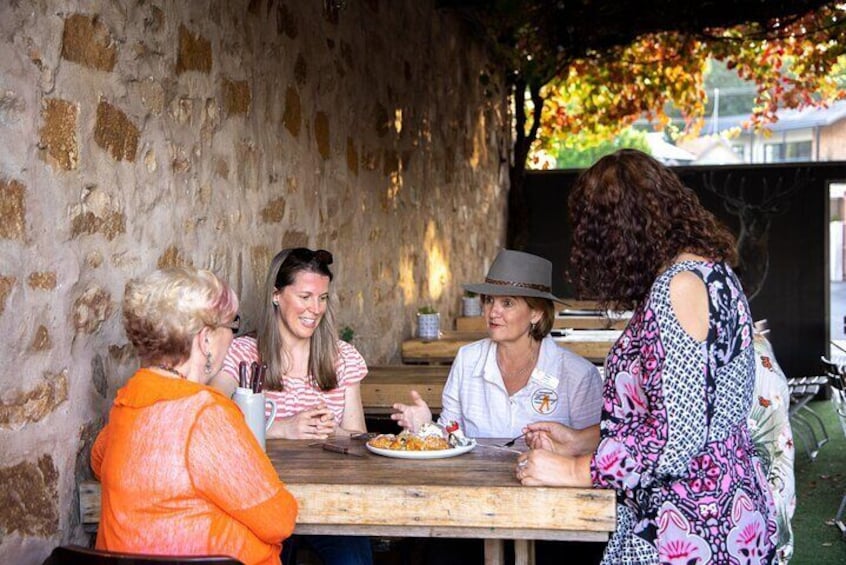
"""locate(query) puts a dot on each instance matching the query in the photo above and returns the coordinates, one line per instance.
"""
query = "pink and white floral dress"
(674, 439)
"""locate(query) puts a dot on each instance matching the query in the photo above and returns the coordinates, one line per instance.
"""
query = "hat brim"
(507, 290)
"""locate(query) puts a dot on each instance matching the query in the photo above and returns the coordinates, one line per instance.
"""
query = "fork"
(510, 443)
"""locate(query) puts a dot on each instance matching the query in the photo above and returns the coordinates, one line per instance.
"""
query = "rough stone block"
(29, 500)
(171, 258)
(194, 54)
(87, 41)
(236, 97)
(285, 22)
(6, 284)
(352, 156)
(12, 209)
(300, 70)
(90, 309)
(115, 133)
(294, 238)
(321, 134)
(28, 407)
(274, 212)
(42, 280)
(111, 224)
(58, 134)
(41, 340)
(292, 118)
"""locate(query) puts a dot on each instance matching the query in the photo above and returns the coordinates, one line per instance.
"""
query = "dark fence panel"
(780, 215)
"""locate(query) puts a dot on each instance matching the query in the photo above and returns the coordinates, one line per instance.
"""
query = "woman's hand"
(561, 439)
(540, 467)
(412, 416)
(317, 423)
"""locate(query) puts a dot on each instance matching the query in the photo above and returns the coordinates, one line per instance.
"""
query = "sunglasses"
(306, 255)
(234, 325)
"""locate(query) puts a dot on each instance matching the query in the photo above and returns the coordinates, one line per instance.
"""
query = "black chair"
(78, 555)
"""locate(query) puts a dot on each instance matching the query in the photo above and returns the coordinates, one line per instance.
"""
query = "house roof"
(788, 120)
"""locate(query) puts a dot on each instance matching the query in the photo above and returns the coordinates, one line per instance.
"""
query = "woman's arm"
(230, 469)
(98, 451)
(542, 467)
(317, 423)
(353, 420)
(561, 439)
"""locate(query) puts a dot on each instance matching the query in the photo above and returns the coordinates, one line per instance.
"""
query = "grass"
(820, 485)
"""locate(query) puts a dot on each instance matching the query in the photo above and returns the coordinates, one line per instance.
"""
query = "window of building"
(784, 152)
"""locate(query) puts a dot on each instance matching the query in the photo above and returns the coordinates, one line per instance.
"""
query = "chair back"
(78, 555)
(835, 372)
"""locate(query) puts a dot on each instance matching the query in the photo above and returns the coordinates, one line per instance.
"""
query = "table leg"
(494, 552)
(524, 552)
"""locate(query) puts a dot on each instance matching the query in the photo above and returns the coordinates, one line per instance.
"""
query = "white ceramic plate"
(432, 454)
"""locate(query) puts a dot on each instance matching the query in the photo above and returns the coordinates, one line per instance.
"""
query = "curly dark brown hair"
(631, 216)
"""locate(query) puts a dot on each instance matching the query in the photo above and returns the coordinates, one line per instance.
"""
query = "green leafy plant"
(346, 334)
(470, 294)
(426, 310)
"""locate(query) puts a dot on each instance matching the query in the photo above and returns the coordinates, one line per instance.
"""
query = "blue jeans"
(332, 550)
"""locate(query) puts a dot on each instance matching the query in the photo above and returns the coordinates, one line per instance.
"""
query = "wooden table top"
(472, 495)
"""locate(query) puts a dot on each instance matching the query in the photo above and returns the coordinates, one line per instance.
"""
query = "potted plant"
(471, 304)
(428, 323)
(346, 333)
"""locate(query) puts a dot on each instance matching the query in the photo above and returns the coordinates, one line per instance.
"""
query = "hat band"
(540, 287)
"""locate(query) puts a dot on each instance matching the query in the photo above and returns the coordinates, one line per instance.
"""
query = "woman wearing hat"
(518, 374)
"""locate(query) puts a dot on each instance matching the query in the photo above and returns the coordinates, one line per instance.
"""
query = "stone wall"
(144, 133)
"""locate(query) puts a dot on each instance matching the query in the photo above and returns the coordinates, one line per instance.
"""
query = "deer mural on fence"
(755, 210)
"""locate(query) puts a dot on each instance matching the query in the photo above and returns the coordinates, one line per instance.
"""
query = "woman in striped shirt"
(312, 375)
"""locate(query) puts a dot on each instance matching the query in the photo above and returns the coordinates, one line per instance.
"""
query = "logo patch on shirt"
(544, 400)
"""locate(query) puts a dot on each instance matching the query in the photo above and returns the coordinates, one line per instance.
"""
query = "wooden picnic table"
(472, 495)
(593, 345)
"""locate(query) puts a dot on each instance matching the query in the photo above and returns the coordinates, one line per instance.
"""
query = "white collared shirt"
(564, 387)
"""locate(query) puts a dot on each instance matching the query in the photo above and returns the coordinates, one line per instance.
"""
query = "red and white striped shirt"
(300, 394)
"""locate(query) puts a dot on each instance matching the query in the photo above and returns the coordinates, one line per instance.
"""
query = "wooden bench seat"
(592, 345)
(387, 384)
(598, 322)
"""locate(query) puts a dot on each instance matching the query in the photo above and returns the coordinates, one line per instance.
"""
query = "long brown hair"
(631, 216)
(323, 347)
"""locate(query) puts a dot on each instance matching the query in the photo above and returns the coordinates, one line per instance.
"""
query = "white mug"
(253, 404)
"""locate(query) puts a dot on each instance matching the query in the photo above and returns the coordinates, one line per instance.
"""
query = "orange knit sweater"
(182, 474)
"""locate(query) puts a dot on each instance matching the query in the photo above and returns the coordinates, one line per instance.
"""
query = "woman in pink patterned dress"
(673, 439)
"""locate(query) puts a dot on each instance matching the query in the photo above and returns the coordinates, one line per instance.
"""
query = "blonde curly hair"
(165, 309)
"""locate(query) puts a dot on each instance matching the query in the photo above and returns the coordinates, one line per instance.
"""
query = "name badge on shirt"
(545, 379)
(544, 400)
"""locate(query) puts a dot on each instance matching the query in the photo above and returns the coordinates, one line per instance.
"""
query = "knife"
(340, 449)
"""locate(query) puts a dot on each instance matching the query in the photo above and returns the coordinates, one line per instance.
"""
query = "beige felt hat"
(515, 273)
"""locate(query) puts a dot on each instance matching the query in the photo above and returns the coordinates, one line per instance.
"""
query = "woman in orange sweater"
(181, 472)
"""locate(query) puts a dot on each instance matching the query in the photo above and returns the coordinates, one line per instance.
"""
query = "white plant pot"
(471, 306)
(428, 326)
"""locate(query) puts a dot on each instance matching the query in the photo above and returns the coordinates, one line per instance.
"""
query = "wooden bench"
(387, 384)
(598, 322)
(592, 345)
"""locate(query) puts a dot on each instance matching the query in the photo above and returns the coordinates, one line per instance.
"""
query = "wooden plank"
(387, 384)
(596, 526)
(445, 350)
(373, 495)
(478, 323)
